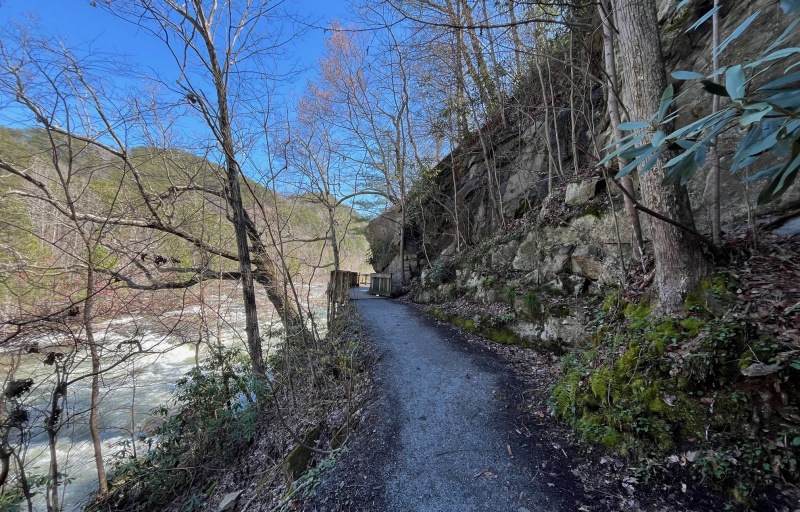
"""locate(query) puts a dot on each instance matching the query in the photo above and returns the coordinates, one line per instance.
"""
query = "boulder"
(522, 178)
(229, 502)
(424, 296)
(552, 332)
(486, 295)
(580, 192)
(568, 284)
(383, 236)
(503, 255)
(296, 463)
(556, 262)
(587, 261)
(528, 255)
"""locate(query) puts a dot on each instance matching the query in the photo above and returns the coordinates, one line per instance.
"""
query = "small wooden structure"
(363, 279)
(380, 284)
(340, 284)
(339, 290)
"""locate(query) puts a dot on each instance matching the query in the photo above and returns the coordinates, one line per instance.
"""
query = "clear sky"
(78, 23)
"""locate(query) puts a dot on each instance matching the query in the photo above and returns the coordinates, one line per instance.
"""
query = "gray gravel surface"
(440, 433)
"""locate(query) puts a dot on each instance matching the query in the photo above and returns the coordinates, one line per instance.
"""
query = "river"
(129, 392)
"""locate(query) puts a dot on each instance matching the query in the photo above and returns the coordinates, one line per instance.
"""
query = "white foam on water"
(146, 381)
(76, 462)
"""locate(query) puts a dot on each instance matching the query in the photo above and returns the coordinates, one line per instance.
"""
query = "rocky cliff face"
(495, 225)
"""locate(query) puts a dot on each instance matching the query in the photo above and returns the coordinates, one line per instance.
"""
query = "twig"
(286, 499)
(639, 206)
(780, 220)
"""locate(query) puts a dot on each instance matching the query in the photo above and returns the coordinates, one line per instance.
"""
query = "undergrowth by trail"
(226, 431)
(707, 391)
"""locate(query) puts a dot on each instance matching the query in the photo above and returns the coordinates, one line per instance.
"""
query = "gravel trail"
(441, 433)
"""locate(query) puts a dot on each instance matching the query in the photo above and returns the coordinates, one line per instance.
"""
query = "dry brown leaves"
(769, 292)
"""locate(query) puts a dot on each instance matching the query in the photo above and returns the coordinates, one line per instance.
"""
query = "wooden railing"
(339, 291)
(380, 284)
(342, 281)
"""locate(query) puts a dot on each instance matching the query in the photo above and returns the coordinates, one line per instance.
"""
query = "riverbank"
(145, 348)
(255, 455)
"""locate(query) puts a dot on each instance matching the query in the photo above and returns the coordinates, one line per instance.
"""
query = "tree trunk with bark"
(614, 114)
(716, 221)
(234, 197)
(680, 263)
(519, 51)
(244, 229)
(94, 408)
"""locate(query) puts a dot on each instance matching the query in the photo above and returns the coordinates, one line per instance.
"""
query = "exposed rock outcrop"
(574, 238)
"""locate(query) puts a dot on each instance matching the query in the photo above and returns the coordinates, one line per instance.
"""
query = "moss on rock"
(488, 327)
(504, 336)
(651, 387)
(296, 463)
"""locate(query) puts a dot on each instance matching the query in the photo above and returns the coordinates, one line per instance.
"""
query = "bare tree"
(217, 46)
(370, 102)
(613, 104)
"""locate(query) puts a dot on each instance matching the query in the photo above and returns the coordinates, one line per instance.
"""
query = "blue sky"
(78, 24)
(94, 30)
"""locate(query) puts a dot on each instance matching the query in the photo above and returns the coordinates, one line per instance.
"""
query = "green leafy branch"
(771, 113)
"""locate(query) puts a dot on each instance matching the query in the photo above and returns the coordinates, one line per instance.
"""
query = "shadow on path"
(440, 433)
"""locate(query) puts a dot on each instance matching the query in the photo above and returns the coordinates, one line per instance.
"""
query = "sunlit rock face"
(500, 206)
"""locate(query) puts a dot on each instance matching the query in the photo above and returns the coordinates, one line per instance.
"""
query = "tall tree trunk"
(23, 481)
(716, 221)
(573, 122)
(495, 77)
(613, 111)
(461, 99)
(461, 14)
(679, 259)
(400, 172)
(334, 291)
(402, 244)
(52, 491)
(556, 132)
(201, 21)
(94, 430)
(234, 195)
(52, 424)
(242, 247)
(551, 159)
(333, 239)
(518, 49)
(483, 78)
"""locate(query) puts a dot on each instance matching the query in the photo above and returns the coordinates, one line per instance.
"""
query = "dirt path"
(441, 432)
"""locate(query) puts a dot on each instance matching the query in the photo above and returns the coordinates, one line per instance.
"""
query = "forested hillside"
(57, 178)
(115, 259)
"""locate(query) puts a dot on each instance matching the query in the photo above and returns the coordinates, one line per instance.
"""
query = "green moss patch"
(654, 388)
(488, 327)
